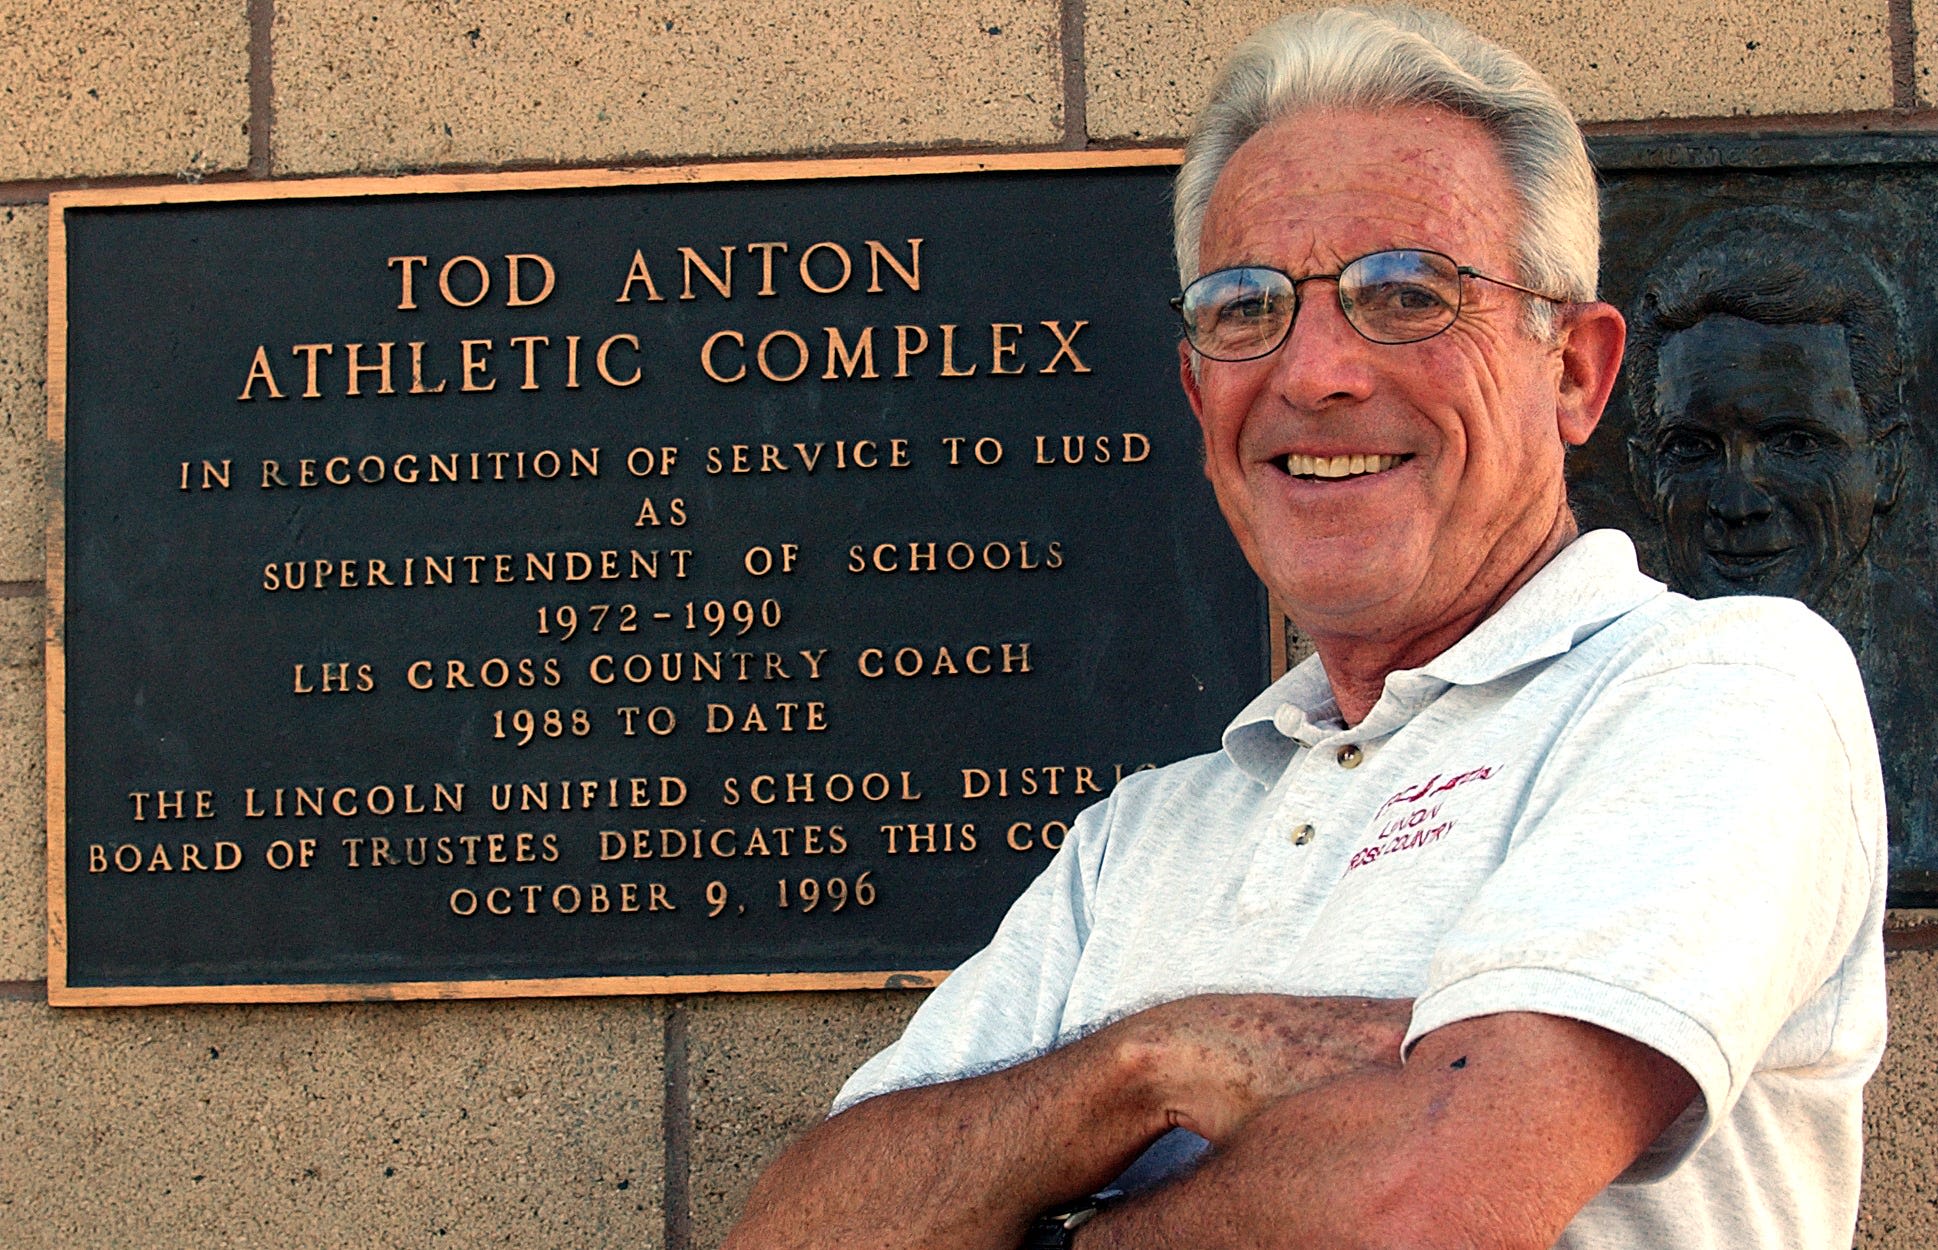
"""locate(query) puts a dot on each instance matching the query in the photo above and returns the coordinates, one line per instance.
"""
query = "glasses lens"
(1238, 314)
(1402, 296)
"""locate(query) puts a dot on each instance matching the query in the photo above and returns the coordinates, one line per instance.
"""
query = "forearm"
(959, 1166)
(968, 1163)
(1319, 1170)
(1497, 1132)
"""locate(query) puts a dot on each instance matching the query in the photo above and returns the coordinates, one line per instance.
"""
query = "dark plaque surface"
(665, 584)
(1777, 424)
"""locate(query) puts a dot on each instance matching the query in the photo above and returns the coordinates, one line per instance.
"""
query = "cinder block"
(23, 392)
(94, 88)
(1899, 1209)
(22, 636)
(762, 1070)
(368, 86)
(23, 773)
(1924, 20)
(1150, 62)
(23, 444)
(416, 1124)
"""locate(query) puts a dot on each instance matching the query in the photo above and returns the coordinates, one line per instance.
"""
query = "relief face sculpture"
(1767, 382)
(1769, 427)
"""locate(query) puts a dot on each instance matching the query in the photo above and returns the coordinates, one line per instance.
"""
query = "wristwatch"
(1054, 1229)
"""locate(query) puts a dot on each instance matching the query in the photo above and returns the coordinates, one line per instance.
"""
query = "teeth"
(1338, 466)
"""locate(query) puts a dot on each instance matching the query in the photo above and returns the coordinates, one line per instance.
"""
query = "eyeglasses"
(1399, 296)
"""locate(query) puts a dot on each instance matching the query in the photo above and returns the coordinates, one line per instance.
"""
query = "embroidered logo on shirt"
(1411, 818)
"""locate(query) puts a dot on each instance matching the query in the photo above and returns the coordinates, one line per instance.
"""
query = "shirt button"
(1350, 755)
(1302, 835)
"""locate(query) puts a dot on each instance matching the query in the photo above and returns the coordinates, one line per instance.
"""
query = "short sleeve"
(1006, 1002)
(1694, 865)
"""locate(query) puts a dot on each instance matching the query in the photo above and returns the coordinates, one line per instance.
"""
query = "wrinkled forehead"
(1319, 187)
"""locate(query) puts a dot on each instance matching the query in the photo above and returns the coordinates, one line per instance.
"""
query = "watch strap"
(1054, 1229)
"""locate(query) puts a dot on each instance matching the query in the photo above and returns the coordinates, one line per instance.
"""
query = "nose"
(1323, 361)
(1738, 499)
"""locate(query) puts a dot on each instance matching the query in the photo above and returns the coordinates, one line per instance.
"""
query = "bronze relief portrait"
(1767, 380)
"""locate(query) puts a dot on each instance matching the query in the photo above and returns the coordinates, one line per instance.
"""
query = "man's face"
(1762, 474)
(1466, 420)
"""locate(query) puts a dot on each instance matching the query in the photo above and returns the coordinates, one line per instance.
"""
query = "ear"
(1592, 337)
(1887, 452)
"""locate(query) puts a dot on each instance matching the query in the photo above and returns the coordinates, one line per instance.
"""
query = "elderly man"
(1541, 906)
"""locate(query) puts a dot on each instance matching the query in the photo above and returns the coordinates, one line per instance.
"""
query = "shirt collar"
(1588, 583)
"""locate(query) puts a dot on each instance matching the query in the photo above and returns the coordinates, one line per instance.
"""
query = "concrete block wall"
(627, 1122)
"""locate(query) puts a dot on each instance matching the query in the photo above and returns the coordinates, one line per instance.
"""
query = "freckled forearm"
(1331, 1169)
(1304, 1172)
(969, 1163)
(958, 1166)
(1496, 1134)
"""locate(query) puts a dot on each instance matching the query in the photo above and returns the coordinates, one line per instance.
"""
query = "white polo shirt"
(1607, 802)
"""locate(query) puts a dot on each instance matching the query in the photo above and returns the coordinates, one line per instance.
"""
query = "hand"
(1213, 1061)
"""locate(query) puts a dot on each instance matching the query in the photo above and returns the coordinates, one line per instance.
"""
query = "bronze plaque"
(628, 581)
(1777, 421)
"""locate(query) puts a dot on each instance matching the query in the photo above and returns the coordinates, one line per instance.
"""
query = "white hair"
(1397, 56)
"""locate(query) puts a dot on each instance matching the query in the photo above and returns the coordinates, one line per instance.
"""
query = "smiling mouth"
(1746, 563)
(1333, 468)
